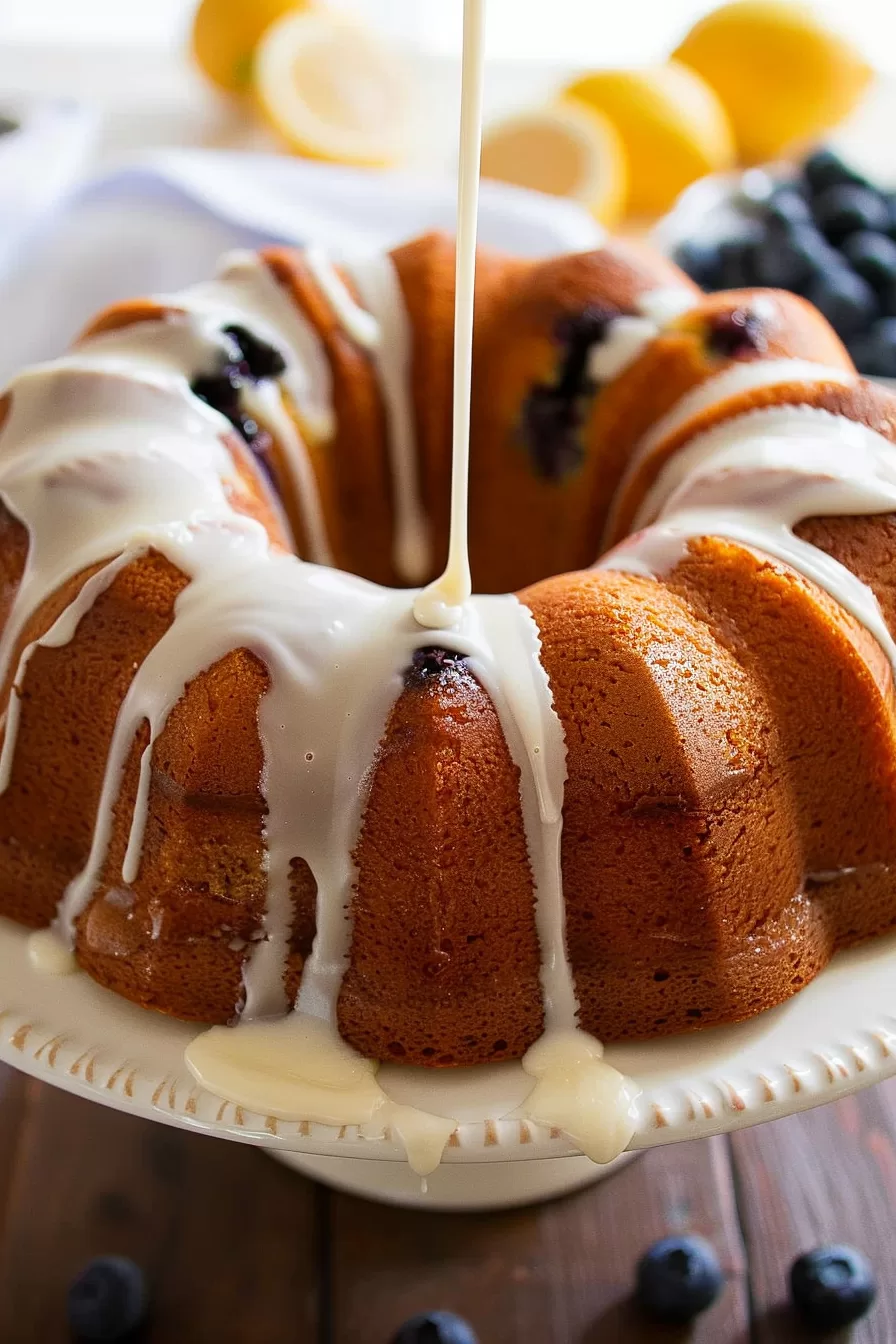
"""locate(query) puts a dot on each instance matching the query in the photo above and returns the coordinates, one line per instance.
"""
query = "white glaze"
(626, 340)
(752, 479)
(577, 1091)
(299, 1067)
(49, 955)
(738, 378)
(376, 280)
(629, 335)
(360, 324)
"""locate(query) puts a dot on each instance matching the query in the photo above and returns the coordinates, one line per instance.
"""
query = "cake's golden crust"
(445, 961)
(352, 468)
(522, 525)
(678, 840)
(715, 719)
(863, 402)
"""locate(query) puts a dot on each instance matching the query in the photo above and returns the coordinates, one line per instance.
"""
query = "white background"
(584, 32)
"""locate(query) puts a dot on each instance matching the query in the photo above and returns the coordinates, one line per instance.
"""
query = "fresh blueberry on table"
(832, 1286)
(107, 1302)
(677, 1278)
(435, 1327)
(874, 351)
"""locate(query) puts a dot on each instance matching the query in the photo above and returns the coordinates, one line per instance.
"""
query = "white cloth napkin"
(164, 222)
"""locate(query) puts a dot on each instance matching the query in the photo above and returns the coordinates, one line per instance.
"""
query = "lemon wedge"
(783, 76)
(225, 34)
(333, 91)
(567, 150)
(671, 123)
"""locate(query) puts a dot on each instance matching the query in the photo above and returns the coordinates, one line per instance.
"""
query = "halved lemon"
(565, 150)
(333, 91)
(225, 34)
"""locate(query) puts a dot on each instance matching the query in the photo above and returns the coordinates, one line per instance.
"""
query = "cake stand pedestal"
(471, 1188)
(838, 1035)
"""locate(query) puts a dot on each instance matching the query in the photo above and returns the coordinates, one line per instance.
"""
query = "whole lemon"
(225, 34)
(783, 76)
(672, 126)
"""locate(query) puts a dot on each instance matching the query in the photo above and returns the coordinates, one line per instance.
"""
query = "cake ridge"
(797, 457)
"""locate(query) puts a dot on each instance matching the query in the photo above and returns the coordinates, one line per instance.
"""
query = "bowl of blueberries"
(819, 228)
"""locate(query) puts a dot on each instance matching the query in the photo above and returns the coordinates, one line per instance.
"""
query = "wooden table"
(241, 1251)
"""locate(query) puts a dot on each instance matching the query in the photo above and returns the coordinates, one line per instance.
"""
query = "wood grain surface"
(240, 1251)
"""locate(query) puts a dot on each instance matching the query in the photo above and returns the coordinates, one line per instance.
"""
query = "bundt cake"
(648, 794)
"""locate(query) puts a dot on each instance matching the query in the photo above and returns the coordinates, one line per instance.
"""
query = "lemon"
(783, 76)
(672, 126)
(568, 150)
(333, 91)
(225, 34)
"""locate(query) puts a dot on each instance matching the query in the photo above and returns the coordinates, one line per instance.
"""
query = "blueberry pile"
(828, 234)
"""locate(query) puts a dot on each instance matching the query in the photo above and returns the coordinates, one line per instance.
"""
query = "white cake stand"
(835, 1037)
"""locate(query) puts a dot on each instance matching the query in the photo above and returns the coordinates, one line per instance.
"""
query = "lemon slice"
(565, 151)
(225, 34)
(671, 123)
(333, 91)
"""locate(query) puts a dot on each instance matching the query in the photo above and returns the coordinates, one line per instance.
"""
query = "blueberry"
(737, 262)
(825, 169)
(874, 351)
(435, 1327)
(700, 261)
(845, 299)
(842, 210)
(221, 390)
(734, 334)
(678, 1277)
(873, 257)
(107, 1301)
(790, 257)
(890, 200)
(787, 205)
(832, 1286)
(261, 359)
(432, 662)
(549, 432)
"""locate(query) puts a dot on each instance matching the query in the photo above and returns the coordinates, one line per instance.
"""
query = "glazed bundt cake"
(648, 794)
